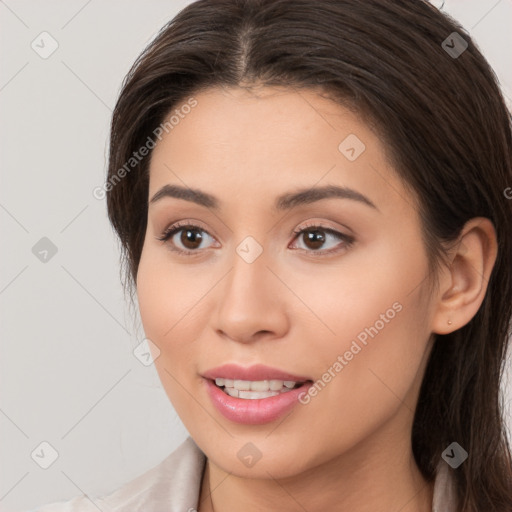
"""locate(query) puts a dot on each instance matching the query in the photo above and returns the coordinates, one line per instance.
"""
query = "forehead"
(255, 144)
(265, 122)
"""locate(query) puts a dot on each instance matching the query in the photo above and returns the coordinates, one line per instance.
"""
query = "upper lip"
(256, 372)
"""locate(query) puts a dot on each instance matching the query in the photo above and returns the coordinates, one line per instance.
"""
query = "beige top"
(174, 486)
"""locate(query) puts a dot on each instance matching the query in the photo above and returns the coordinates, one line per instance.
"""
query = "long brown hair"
(436, 104)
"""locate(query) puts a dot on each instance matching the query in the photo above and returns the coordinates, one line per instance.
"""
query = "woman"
(311, 197)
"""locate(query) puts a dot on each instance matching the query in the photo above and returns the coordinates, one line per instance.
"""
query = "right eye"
(190, 237)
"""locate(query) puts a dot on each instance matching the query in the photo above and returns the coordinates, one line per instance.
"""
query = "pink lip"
(257, 411)
(255, 372)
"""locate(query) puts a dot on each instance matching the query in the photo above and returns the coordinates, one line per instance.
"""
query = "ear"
(463, 284)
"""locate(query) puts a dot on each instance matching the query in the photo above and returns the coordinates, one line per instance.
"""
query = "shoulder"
(173, 484)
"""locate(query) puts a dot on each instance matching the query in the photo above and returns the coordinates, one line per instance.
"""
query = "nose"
(252, 303)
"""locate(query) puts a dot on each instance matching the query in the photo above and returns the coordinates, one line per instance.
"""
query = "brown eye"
(185, 238)
(191, 238)
(313, 239)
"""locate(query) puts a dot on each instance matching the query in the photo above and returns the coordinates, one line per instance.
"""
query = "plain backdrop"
(69, 377)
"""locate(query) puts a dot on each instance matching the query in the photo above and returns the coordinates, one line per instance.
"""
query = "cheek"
(372, 382)
(172, 300)
(371, 313)
(167, 294)
(362, 291)
(162, 300)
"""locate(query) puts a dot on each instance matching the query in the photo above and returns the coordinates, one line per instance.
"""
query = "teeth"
(252, 395)
(232, 392)
(242, 385)
(254, 387)
(276, 385)
(260, 385)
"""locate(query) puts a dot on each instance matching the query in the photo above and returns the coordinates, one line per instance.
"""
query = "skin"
(349, 447)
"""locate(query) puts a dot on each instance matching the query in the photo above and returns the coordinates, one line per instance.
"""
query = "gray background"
(68, 373)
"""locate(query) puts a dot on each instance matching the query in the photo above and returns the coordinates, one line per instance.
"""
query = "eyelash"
(179, 226)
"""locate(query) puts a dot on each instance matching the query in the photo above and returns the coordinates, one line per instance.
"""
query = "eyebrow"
(284, 202)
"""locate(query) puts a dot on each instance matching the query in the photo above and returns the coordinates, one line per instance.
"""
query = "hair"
(446, 127)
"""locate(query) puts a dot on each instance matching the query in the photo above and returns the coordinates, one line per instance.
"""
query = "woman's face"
(325, 290)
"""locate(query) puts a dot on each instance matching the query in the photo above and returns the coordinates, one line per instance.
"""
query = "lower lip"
(257, 411)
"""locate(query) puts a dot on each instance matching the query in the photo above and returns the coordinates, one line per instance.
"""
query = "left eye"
(314, 237)
(191, 237)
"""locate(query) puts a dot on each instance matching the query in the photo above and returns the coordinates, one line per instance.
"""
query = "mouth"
(254, 395)
(255, 389)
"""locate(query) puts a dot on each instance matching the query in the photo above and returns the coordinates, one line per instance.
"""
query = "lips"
(231, 389)
(256, 372)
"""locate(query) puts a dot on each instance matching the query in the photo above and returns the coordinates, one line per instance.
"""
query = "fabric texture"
(174, 486)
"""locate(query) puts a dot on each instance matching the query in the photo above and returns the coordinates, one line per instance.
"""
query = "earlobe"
(464, 283)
